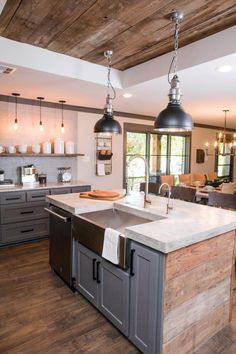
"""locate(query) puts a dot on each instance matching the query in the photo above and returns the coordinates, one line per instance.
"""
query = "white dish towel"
(111, 245)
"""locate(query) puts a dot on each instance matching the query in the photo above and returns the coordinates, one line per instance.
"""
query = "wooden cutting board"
(103, 194)
(87, 195)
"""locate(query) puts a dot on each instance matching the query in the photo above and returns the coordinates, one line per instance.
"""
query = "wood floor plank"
(40, 315)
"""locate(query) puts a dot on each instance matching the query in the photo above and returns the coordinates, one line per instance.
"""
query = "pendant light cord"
(174, 61)
(16, 108)
(109, 84)
(62, 115)
(40, 102)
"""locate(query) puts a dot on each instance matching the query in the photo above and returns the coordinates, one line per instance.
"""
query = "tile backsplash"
(46, 165)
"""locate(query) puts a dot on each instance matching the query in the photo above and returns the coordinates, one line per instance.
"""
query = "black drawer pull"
(98, 280)
(132, 263)
(94, 273)
(27, 212)
(13, 198)
(38, 196)
(24, 231)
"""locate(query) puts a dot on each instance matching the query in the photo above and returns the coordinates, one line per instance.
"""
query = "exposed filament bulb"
(41, 126)
(16, 124)
(62, 128)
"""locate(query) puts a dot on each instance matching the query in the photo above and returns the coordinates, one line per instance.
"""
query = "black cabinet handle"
(24, 231)
(13, 198)
(94, 272)
(38, 196)
(98, 280)
(132, 262)
(27, 212)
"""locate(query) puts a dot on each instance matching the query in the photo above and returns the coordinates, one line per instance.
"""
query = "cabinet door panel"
(12, 197)
(56, 191)
(36, 195)
(80, 189)
(86, 282)
(146, 299)
(23, 231)
(114, 295)
(22, 212)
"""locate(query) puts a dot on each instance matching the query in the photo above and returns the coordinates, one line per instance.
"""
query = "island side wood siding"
(197, 295)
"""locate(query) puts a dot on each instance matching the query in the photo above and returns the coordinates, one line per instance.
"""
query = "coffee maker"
(28, 174)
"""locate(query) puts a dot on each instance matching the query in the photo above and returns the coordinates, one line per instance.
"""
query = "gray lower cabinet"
(22, 214)
(23, 231)
(146, 296)
(113, 297)
(86, 274)
(105, 286)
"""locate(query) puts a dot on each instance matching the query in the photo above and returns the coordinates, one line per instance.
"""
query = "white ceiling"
(205, 91)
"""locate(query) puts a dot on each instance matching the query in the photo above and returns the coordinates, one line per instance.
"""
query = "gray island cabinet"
(132, 299)
(176, 290)
(105, 286)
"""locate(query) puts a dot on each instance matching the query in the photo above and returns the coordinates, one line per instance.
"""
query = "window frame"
(148, 129)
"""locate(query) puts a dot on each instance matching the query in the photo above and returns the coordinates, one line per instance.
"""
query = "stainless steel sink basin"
(88, 229)
(115, 219)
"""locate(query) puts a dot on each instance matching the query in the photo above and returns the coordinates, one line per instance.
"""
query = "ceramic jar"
(59, 146)
(70, 147)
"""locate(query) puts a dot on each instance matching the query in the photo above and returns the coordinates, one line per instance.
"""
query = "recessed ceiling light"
(225, 68)
(127, 95)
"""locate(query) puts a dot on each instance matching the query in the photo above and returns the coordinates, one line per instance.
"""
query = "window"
(166, 154)
(224, 163)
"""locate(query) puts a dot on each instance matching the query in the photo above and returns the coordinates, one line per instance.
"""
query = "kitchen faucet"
(168, 207)
(146, 200)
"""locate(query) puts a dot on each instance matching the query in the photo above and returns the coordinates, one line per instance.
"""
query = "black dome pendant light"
(107, 124)
(173, 118)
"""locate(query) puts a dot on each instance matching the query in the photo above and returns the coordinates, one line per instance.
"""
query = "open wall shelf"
(39, 155)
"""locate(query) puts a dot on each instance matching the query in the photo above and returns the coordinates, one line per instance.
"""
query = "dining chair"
(186, 179)
(228, 188)
(183, 193)
(211, 175)
(222, 200)
(153, 187)
(167, 179)
(201, 177)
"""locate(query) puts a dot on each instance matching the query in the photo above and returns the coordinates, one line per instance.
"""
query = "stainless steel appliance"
(28, 174)
(61, 248)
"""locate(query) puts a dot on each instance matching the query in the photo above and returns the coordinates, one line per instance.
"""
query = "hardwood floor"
(39, 314)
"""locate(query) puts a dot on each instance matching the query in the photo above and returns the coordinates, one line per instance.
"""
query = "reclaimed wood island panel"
(197, 293)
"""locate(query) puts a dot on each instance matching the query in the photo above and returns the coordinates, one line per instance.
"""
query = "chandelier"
(225, 144)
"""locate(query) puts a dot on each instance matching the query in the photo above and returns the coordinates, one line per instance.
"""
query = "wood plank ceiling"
(136, 30)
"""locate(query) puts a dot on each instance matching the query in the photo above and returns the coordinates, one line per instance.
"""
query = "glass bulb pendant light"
(62, 116)
(40, 113)
(16, 118)
(173, 118)
(107, 124)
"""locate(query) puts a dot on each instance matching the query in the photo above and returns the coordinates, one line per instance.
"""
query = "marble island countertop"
(49, 185)
(186, 223)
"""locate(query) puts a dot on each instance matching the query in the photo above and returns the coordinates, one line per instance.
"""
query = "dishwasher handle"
(63, 218)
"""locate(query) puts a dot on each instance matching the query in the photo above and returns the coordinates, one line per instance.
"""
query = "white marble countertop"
(49, 185)
(186, 223)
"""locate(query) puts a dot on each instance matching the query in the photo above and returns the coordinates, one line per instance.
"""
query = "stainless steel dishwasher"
(61, 247)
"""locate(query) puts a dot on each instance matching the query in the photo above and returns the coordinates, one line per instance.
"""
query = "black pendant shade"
(173, 118)
(107, 124)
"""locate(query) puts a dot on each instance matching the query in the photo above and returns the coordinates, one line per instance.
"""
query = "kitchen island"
(192, 274)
